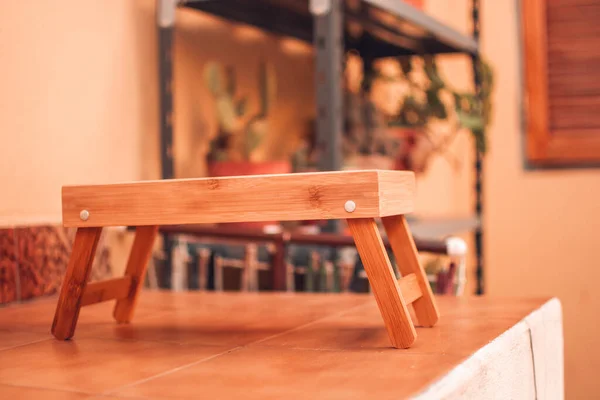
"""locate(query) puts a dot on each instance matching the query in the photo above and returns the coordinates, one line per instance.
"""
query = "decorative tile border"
(33, 261)
(8, 266)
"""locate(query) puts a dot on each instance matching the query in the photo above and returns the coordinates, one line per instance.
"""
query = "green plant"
(424, 103)
(240, 132)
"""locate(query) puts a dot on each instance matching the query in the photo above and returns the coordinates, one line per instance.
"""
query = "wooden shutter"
(562, 81)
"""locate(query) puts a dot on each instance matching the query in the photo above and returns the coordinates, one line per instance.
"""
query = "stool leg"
(74, 284)
(383, 282)
(140, 254)
(407, 259)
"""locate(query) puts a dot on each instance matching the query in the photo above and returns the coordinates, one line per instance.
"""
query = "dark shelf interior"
(374, 28)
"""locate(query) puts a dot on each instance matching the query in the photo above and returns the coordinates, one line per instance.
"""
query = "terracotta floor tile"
(324, 346)
(269, 373)
(37, 316)
(93, 365)
(469, 307)
(111, 397)
(226, 302)
(207, 319)
(459, 336)
(481, 307)
(26, 393)
(363, 328)
(11, 338)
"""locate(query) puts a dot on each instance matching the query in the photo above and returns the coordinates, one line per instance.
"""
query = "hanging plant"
(425, 104)
(426, 99)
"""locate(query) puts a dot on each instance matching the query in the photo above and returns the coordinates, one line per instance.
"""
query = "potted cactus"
(235, 148)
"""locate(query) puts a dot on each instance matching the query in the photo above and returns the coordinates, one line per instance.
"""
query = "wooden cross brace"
(357, 196)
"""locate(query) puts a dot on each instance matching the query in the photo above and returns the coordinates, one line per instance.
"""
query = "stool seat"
(257, 198)
(357, 196)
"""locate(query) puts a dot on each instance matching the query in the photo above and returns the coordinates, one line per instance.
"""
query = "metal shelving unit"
(388, 27)
(374, 28)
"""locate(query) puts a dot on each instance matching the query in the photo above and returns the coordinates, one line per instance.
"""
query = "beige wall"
(79, 95)
(542, 226)
(76, 101)
(79, 104)
(79, 100)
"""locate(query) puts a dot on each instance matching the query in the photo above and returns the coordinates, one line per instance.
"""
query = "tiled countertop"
(272, 346)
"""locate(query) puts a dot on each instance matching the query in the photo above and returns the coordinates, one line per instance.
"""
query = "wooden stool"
(357, 196)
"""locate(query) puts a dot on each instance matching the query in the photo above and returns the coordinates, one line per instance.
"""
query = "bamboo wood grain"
(407, 259)
(285, 197)
(137, 264)
(237, 199)
(383, 282)
(410, 289)
(393, 192)
(74, 284)
(111, 289)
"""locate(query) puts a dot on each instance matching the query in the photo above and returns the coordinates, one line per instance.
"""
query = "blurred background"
(493, 104)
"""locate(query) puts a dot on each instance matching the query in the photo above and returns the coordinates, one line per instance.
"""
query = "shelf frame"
(412, 33)
(389, 25)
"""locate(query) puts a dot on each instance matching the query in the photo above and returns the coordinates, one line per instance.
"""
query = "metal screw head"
(84, 215)
(350, 206)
